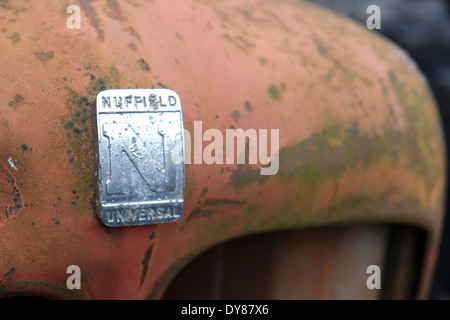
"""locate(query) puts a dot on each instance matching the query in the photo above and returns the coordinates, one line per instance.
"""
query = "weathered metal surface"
(360, 139)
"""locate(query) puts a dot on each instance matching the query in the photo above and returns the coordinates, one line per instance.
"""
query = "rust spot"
(320, 46)
(5, 4)
(115, 12)
(239, 42)
(8, 275)
(92, 15)
(277, 21)
(162, 85)
(17, 99)
(15, 37)
(236, 115)
(10, 197)
(143, 64)
(199, 212)
(247, 106)
(44, 56)
(217, 202)
(133, 33)
(145, 261)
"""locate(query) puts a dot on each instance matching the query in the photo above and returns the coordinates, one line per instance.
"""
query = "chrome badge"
(140, 179)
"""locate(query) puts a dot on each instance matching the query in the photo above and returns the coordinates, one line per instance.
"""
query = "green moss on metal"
(262, 61)
(423, 131)
(44, 56)
(253, 208)
(273, 92)
(114, 73)
(328, 154)
(16, 101)
(78, 128)
(15, 37)
(320, 46)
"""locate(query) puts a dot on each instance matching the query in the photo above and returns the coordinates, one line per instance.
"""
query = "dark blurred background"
(422, 28)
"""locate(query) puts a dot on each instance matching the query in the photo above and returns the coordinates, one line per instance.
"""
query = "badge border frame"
(177, 205)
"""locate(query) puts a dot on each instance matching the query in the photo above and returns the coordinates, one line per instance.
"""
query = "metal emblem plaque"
(139, 156)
